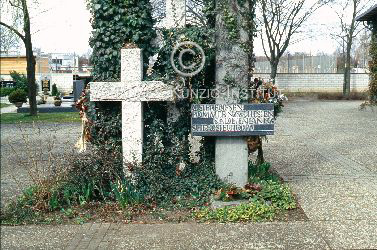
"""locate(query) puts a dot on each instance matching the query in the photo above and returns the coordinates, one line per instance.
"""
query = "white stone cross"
(132, 91)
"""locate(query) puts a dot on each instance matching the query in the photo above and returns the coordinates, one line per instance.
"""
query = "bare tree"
(280, 20)
(349, 30)
(21, 8)
(159, 7)
(194, 12)
(8, 41)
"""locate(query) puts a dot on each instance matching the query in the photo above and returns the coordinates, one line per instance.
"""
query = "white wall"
(317, 82)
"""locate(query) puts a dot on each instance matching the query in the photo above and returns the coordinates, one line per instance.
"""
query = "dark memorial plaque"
(46, 86)
(78, 87)
(232, 119)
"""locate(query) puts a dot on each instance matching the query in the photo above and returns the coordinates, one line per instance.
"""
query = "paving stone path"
(326, 151)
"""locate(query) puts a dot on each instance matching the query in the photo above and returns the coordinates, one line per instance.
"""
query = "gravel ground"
(15, 141)
(325, 150)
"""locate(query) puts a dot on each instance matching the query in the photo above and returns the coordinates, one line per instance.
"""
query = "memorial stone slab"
(231, 122)
(46, 85)
(78, 87)
(232, 119)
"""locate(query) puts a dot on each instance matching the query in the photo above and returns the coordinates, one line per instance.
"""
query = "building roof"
(369, 15)
(11, 56)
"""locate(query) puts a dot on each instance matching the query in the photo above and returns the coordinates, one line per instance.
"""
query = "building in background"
(18, 63)
(60, 68)
(64, 63)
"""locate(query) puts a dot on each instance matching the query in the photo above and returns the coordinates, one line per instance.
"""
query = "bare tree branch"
(15, 4)
(200, 17)
(280, 20)
(350, 29)
(22, 37)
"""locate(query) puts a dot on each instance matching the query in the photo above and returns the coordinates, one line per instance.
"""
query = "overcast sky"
(314, 36)
(63, 26)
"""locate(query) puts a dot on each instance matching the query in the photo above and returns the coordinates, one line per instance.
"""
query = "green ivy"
(114, 23)
(163, 70)
(263, 205)
(252, 211)
(231, 25)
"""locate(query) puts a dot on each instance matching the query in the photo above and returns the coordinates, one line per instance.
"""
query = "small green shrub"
(261, 172)
(6, 91)
(264, 204)
(20, 81)
(21, 210)
(125, 193)
(90, 177)
(54, 90)
(18, 95)
(252, 211)
(278, 194)
(267, 196)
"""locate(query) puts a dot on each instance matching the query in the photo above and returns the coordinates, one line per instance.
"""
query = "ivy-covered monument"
(161, 123)
(370, 17)
(152, 138)
(225, 30)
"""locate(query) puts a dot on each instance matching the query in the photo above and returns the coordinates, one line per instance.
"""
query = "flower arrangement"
(268, 92)
(83, 105)
(264, 92)
(231, 193)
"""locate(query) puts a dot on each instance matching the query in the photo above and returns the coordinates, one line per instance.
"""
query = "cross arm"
(133, 91)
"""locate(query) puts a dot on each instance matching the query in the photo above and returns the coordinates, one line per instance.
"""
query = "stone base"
(231, 159)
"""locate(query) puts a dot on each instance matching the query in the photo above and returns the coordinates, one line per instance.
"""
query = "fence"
(309, 64)
(317, 82)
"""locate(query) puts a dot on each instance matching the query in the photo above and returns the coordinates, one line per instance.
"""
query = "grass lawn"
(62, 117)
(4, 105)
